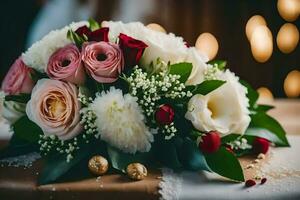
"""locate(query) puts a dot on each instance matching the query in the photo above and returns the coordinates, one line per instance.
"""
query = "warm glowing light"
(265, 95)
(156, 27)
(292, 84)
(207, 44)
(289, 9)
(261, 44)
(287, 38)
(254, 22)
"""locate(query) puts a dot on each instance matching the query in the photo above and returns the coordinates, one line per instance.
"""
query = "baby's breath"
(151, 88)
(240, 143)
(210, 72)
(169, 131)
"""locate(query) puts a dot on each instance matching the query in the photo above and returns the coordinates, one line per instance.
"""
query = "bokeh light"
(252, 23)
(156, 27)
(207, 44)
(265, 95)
(289, 9)
(287, 38)
(261, 44)
(292, 84)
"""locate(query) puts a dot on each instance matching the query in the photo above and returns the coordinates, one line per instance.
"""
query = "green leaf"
(229, 138)
(74, 37)
(27, 130)
(56, 165)
(183, 69)
(220, 64)
(262, 120)
(17, 147)
(263, 108)
(166, 153)
(20, 98)
(206, 87)
(225, 164)
(93, 25)
(191, 157)
(36, 75)
(252, 94)
(120, 160)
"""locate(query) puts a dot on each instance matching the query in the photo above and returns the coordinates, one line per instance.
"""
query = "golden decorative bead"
(136, 171)
(98, 165)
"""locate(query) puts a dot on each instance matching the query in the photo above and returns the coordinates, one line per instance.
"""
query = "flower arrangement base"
(17, 181)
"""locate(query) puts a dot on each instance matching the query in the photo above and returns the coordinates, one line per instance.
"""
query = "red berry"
(263, 181)
(250, 183)
(164, 114)
(211, 142)
(261, 145)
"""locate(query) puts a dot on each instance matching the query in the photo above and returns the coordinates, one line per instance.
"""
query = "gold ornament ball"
(136, 171)
(98, 165)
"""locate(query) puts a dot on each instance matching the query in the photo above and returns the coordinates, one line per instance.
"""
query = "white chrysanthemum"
(167, 47)
(224, 109)
(120, 121)
(38, 54)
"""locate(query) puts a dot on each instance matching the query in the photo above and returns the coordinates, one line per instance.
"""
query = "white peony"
(120, 121)
(167, 47)
(38, 54)
(199, 66)
(224, 109)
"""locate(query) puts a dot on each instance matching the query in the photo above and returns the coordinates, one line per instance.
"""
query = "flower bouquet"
(121, 96)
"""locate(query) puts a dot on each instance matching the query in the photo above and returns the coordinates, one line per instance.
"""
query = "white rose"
(167, 47)
(38, 54)
(224, 109)
(199, 66)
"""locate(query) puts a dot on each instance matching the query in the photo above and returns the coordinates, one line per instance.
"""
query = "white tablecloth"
(282, 171)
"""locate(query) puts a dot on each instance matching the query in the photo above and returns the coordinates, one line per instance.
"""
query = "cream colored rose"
(224, 109)
(199, 66)
(55, 108)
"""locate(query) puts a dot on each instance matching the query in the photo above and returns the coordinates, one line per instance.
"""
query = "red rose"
(98, 35)
(84, 30)
(260, 145)
(210, 142)
(132, 49)
(164, 114)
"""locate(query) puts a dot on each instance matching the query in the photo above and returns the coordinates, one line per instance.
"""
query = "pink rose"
(65, 64)
(17, 79)
(55, 108)
(103, 61)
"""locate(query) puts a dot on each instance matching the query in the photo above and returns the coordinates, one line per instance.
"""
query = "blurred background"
(268, 56)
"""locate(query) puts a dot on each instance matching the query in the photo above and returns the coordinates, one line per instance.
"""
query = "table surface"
(16, 182)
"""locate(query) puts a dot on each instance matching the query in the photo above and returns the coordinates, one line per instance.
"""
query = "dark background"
(225, 19)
